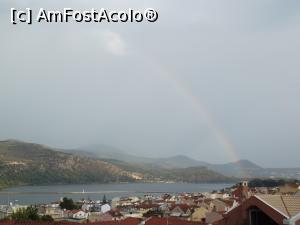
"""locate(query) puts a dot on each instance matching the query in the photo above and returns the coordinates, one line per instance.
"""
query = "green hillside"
(25, 163)
(33, 164)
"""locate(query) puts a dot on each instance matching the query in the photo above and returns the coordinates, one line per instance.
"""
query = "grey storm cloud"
(215, 80)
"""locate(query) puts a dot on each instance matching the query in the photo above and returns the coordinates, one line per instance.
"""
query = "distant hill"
(32, 164)
(289, 173)
(241, 168)
(108, 152)
(178, 161)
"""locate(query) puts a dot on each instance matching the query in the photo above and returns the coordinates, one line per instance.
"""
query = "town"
(240, 204)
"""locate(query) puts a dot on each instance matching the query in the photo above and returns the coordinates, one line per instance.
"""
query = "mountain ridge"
(24, 163)
(241, 168)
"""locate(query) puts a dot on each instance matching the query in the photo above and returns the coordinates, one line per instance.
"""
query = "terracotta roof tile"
(169, 221)
(288, 205)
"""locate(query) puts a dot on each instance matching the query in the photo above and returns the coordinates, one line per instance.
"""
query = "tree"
(20, 214)
(68, 204)
(47, 218)
(32, 213)
(29, 213)
(104, 201)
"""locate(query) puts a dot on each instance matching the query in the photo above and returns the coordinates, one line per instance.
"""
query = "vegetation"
(195, 175)
(46, 218)
(153, 212)
(104, 200)
(270, 182)
(24, 164)
(32, 164)
(68, 204)
(198, 174)
(30, 213)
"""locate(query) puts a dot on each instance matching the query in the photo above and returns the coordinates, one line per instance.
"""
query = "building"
(265, 210)
(241, 193)
(199, 214)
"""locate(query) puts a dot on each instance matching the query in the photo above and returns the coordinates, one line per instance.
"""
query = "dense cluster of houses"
(238, 205)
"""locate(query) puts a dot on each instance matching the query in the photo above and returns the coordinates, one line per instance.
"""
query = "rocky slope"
(32, 164)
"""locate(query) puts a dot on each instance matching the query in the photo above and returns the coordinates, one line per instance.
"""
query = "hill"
(109, 152)
(33, 164)
(240, 168)
(26, 163)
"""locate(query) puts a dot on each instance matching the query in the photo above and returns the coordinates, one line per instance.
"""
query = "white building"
(105, 208)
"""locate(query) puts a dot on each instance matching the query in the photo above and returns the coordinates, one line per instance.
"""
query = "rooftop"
(288, 205)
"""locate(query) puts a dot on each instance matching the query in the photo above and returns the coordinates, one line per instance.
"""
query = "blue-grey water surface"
(47, 194)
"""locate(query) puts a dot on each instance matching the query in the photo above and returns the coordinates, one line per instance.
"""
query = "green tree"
(47, 218)
(29, 213)
(20, 214)
(32, 213)
(68, 204)
(104, 201)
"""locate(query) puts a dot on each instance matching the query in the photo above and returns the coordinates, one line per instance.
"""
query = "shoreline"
(140, 182)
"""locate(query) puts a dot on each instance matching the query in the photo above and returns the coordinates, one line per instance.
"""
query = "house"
(241, 193)
(181, 210)
(87, 207)
(164, 206)
(213, 217)
(148, 206)
(203, 203)
(75, 214)
(226, 196)
(115, 202)
(219, 206)
(199, 214)
(53, 211)
(111, 215)
(265, 210)
(79, 215)
(187, 200)
(94, 217)
(105, 208)
(289, 188)
(216, 195)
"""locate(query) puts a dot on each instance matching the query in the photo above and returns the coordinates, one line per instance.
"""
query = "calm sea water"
(47, 194)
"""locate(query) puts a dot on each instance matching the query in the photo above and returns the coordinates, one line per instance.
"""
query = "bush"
(47, 218)
(30, 213)
(68, 204)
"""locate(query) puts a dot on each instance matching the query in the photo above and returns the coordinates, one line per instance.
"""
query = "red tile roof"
(183, 207)
(170, 221)
(128, 221)
(11, 222)
(114, 213)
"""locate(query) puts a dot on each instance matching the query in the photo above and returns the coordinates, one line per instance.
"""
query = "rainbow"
(223, 140)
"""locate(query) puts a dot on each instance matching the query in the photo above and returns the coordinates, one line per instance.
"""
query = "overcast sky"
(209, 78)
